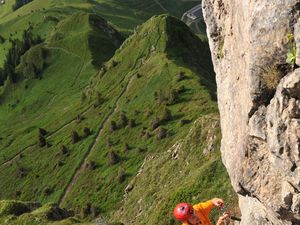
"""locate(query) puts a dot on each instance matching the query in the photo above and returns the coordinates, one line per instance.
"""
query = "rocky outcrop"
(259, 102)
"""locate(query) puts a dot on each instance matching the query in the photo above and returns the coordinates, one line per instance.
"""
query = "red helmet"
(183, 211)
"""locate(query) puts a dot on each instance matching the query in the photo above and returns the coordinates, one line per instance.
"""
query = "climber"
(199, 214)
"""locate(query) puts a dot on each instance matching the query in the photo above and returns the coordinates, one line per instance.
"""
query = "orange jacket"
(203, 209)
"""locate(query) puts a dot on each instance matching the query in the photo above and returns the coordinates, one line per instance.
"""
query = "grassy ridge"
(162, 71)
(153, 65)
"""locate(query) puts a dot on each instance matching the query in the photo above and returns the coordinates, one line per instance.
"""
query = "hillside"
(255, 49)
(44, 15)
(31, 213)
(87, 109)
(141, 86)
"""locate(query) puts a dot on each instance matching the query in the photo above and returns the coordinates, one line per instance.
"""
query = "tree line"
(20, 3)
(13, 57)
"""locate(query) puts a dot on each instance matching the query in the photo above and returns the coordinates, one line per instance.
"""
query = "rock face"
(260, 116)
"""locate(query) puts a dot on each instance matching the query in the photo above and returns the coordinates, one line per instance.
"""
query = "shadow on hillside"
(190, 51)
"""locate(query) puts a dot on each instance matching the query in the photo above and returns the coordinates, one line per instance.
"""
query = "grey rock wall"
(249, 41)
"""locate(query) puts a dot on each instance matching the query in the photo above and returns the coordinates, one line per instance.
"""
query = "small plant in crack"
(270, 77)
(291, 55)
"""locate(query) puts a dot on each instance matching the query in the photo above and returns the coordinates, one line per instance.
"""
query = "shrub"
(270, 77)
(148, 113)
(121, 176)
(109, 143)
(75, 137)
(160, 97)
(99, 100)
(22, 172)
(2, 39)
(64, 150)
(48, 145)
(85, 210)
(86, 132)
(42, 132)
(155, 123)
(132, 123)
(168, 97)
(89, 209)
(173, 97)
(83, 97)
(180, 76)
(79, 118)
(162, 133)
(113, 158)
(91, 165)
(113, 126)
(126, 147)
(143, 132)
(114, 63)
(95, 211)
(42, 141)
(147, 135)
(48, 191)
(181, 89)
(184, 121)
(166, 116)
(18, 193)
(123, 120)
(60, 163)
(141, 150)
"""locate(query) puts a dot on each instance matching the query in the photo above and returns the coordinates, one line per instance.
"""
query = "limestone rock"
(260, 125)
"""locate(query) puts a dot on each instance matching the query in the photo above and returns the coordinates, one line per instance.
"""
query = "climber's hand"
(218, 202)
(222, 219)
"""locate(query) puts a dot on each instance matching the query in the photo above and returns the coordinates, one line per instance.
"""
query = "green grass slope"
(54, 102)
(23, 102)
(189, 171)
(103, 112)
(146, 69)
(31, 213)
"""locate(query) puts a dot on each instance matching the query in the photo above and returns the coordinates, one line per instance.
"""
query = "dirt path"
(83, 163)
(8, 161)
(83, 67)
(64, 50)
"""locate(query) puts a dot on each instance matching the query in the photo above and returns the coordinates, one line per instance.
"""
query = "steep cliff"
(254, 47)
